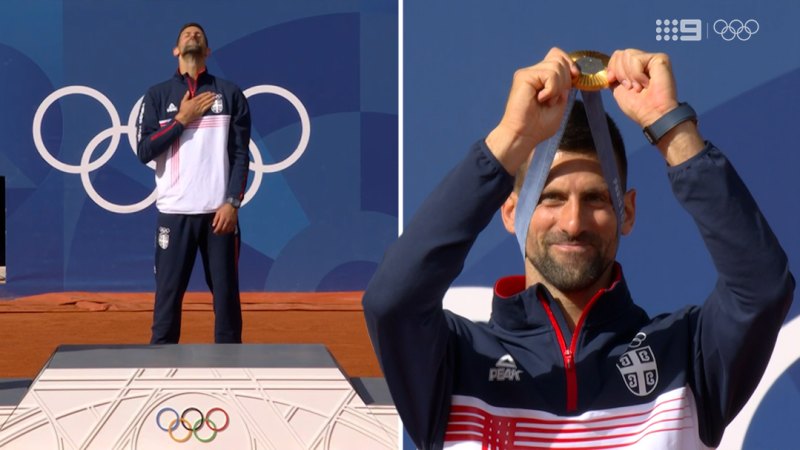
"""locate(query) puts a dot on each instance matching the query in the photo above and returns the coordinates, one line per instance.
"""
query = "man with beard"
(567, 359)
(196, 127)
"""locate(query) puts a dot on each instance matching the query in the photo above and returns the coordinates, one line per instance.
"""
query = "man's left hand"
(644, 87)
(643, 84)
(225, 219)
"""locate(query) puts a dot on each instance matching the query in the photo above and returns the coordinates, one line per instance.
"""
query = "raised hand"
(534, 108)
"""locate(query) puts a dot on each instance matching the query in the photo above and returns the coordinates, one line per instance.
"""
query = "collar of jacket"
(202, 77)
(516, 308)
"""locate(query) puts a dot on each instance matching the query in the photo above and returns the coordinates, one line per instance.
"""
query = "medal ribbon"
(545, 152)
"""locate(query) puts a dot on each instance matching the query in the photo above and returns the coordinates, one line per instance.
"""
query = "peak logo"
(696, 30)
(505, 369)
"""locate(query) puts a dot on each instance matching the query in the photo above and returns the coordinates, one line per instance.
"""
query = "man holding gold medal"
(567, 359)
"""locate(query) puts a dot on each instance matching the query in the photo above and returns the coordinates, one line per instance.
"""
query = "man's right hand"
(193, 108)
(534, 109)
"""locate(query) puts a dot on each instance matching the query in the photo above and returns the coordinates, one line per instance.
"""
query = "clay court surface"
(32, 327)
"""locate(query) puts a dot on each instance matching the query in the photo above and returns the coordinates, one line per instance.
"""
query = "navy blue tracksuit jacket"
(621, 379)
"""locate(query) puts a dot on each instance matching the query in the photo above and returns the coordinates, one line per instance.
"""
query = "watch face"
(592, 65)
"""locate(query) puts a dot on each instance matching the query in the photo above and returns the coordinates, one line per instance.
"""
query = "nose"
(572, 217)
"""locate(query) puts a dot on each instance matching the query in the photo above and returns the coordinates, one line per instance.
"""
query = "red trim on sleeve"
(163, 130)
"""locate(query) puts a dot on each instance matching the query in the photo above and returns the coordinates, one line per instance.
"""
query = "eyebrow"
(550, 191)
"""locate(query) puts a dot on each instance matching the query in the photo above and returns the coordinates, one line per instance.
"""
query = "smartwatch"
(668, 121)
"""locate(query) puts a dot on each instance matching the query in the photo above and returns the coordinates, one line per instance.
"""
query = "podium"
(223, 396)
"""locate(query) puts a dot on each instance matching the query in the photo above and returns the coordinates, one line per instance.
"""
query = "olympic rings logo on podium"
(192, 429)
(736, 29)
(117, 129)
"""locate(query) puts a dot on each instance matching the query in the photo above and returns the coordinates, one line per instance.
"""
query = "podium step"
(227, 396)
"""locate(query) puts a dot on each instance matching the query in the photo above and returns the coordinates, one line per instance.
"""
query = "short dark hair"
(191, 24)
(578, 138)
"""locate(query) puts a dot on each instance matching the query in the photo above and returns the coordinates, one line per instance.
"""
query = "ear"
(176, 51)
(508, 210)
(630, 212)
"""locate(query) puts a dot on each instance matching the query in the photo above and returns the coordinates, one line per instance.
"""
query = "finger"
(569, 71)
(210, 97)
(219, 227)
(659, 67)
(550, 86)
(612, 72)
(559, 60)
(622, 68)
(636, 68)
(559, 99)
(562, 57)
(205, 105)
(639, 72)
(556, 53)
(557, 79)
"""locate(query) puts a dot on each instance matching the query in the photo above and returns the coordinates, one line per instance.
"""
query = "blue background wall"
(323, 223)
(459, 58)
(320, 224)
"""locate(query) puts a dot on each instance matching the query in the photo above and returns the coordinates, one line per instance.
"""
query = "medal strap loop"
(543, 156)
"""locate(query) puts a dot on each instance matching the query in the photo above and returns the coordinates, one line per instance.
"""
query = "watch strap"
(668, 121)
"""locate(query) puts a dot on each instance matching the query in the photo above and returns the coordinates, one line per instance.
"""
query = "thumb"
(186, 95)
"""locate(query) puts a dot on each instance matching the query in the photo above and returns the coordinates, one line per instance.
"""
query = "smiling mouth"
(572, 246)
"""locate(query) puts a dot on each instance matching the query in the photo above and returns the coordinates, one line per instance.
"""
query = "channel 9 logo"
(692, 30)
(675, 30)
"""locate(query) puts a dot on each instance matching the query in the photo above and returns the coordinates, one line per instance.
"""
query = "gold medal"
(593, 70)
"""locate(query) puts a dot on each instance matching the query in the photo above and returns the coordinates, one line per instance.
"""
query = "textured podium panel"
(200, 396)
(12, 390)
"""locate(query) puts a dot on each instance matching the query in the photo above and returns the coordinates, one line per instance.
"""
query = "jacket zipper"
(192, 86)
(568, 354)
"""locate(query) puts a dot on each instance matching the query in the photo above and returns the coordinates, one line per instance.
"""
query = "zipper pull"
(568, 359)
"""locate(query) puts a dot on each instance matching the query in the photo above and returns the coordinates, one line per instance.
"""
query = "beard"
(574, 272)
(192, 48)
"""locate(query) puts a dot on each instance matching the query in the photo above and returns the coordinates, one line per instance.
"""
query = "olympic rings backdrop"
(736, 62)
(321, 80)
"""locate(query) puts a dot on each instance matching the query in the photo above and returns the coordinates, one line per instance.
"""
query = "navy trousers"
(178, 239)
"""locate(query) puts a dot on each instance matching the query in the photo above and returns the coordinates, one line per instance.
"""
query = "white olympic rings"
(257, 166)
(736, 29)
(116, 129)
